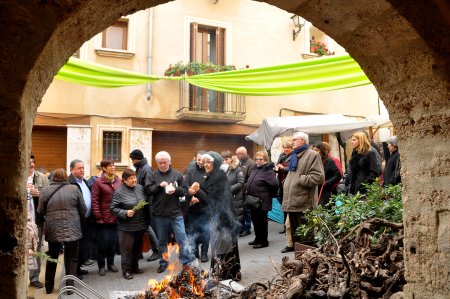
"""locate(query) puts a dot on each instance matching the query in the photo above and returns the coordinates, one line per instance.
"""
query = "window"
(207, 44)
(116, 36)
(112, 145)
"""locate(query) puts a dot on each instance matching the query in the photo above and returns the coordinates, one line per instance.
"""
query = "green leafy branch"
(141, 204)
(344, 212)
(44, 256)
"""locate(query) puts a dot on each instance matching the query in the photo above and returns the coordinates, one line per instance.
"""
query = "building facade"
(89, 123)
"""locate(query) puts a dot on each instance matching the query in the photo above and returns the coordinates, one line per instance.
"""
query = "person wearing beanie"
(143, 173)
(136, 155)
(393, 165)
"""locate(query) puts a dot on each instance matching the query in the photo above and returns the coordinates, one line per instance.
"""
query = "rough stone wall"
(403, 46)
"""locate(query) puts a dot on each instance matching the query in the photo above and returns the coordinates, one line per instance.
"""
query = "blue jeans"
(247, 220)
(199, 233)
(163, 225)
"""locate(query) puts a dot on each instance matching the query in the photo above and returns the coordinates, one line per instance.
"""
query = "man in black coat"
(143, 173)
(87, 241)
(246, 164)
(393, 166)
(198, 215)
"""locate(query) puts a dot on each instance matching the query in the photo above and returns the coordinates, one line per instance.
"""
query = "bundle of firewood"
(351, 267)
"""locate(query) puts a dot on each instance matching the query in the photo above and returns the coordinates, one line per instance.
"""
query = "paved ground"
(257, 265)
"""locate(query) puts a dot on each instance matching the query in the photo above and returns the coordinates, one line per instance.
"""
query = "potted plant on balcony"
(195, 68)
(175, 70)
(319, 48)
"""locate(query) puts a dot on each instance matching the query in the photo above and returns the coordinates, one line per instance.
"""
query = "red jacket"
(102, 192)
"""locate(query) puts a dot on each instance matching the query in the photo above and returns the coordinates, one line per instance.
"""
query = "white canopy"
(273, 127)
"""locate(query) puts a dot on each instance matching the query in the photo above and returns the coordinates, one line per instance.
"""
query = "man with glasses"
(306, 172)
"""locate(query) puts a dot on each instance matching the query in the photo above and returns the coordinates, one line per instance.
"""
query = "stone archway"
(402, 46)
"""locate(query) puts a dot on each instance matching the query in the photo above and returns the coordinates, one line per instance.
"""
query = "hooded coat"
(216, 192)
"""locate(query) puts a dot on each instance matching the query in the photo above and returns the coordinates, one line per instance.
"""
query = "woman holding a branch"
(126, 205)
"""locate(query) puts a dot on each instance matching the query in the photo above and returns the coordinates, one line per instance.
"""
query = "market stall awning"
(273, 127)
(330, 73)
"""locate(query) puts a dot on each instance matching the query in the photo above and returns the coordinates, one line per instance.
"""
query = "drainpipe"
(148, 94)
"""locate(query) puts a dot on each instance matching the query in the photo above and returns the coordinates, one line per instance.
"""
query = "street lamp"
(298, 26)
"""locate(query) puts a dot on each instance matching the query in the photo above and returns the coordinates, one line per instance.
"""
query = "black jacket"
(263, 184)
(166, 205)
(392, 170)
(362, 169)
(332, 174)
(143, 173)
(124, 199)
(196, 174)
(235, 178)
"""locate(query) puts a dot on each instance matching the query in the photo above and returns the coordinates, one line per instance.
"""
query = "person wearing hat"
(143, 173)
(393, 166)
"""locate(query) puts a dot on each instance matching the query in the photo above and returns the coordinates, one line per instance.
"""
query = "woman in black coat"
(332, 174)
(216, 192)
(263, 184)
(236, 179)
(131, 224)
(363, 167)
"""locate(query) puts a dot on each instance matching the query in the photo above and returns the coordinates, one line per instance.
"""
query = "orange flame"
(194, 285)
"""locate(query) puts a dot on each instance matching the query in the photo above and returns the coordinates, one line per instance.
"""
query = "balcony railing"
(209, 105)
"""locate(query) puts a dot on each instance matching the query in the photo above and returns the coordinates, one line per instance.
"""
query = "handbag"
(145, 243)
(252, 202)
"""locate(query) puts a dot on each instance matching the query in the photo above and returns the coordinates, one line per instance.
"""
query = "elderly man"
(393, 166)
(246, 164)
(86, 243)
(167, 186)
(300, 187)
(36, 181)
(143, 174)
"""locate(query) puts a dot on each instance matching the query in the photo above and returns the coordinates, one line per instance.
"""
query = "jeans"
(247, 220)
(163, 226)
(199, 232)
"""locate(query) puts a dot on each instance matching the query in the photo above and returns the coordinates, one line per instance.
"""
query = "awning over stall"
(273, 127)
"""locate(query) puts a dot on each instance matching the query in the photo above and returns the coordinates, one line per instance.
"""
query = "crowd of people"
(204, 210)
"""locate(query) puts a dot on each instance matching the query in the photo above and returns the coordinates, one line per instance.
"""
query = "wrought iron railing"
(195, 99)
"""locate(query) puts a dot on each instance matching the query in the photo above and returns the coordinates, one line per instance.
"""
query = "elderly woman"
(363, 167)
(216, 192)
(332, 174)
(63, 208)
(235, 178)
(262, 184)
(102, 192)
(130, 222)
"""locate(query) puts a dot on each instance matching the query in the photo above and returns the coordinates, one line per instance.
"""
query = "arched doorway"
(402, 47)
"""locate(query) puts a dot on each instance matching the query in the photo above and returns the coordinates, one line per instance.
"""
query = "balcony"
(200, 104)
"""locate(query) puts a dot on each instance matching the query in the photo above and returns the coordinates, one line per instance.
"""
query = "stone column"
(79, 147)
(141, 138)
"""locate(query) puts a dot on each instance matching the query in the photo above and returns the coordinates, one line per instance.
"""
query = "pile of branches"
(352, 267)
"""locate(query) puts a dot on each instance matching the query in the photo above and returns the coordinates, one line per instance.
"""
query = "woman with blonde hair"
(363, 167)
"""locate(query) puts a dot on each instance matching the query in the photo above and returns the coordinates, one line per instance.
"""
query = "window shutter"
(220, 49)
(192, 52)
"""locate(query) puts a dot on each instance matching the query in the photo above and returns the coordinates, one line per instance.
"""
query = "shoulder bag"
(252, 202)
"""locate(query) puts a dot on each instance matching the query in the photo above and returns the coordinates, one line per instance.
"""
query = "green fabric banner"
(313, 75)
